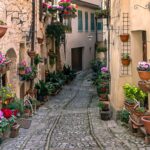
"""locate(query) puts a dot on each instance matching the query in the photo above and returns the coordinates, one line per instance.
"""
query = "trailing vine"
(55, 30)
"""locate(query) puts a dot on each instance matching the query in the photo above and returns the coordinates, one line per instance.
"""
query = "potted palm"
(143, 69)
(125, 59)
(3, 28)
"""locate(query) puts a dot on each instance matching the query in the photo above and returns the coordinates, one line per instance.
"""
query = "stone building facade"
(127, 16)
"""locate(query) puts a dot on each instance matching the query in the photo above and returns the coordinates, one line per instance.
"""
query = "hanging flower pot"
(3, 29)
(146, 122)
(32, 54)
(40, 40)
(124, 37)
(125, 62)
(144, 75)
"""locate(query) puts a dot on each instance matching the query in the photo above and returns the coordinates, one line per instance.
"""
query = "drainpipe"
(33, 37)
(96, 39)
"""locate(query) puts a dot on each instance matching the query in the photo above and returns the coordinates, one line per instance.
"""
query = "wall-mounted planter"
(125, 62)
(32, 54)
(124, 37)
(3, 29)
(40, 40)
(144, 75)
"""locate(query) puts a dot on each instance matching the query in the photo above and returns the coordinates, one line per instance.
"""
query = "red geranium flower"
(7, 112)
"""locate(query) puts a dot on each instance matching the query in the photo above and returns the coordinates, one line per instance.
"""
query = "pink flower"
(1, 114)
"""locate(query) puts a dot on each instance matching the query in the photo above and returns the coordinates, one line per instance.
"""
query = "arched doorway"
(11, 75)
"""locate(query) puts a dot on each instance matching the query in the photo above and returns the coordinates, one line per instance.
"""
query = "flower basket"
(22, 72)
(32, 54)
(40, 40)
(3, 29)
(144, 75)
(144, 86)
(146, 122)
(124, 37)
(125, 62)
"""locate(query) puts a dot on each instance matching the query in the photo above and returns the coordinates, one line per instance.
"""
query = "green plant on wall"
(55, 30)
(52, 58)
(101, 49)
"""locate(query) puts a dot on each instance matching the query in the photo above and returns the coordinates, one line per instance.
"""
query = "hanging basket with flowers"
(144, 70)
(22, 67)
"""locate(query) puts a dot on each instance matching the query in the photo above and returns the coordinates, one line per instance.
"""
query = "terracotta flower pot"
(14, 130)
(124, 37)
(125, 62)
(3, 30)
(22, 72)
(144, 86)
(146, 122)
(40, 40)
(144, 75)
(138, 114)
(129, 107)
(32, 54)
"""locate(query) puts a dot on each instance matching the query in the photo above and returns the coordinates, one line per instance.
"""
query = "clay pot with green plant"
(101, 49)
(139, 111)
(125, 59)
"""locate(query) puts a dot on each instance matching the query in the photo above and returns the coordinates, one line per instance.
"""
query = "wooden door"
(77, 59)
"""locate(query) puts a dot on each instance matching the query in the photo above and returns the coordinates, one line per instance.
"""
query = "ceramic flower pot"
(3, 30)
(21, 72)
(32, 54)
(125, 62)
(144, 75)
(146, 122)
(124, 37)
(40, 40)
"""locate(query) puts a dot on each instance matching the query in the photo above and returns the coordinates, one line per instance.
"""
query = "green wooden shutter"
(86, 21)
(99, 26)
(80, 23)
(92, 22)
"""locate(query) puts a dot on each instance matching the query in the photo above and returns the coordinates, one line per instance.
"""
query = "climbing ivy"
(55, 30)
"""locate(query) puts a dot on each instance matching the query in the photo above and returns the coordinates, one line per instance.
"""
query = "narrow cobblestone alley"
(70, 121)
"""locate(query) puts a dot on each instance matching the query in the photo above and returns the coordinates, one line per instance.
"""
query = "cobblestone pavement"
(70, 121)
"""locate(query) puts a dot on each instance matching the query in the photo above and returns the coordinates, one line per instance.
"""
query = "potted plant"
(31, 53)
(124, 37)
(3, 28)
(139, 111)
(102, 13)
(144, 70)
(103, 97)
(37, 59)
(125, 59)
(104, 110)
(22, 67)
(101, 49)
(40, 40)
(52, 58)
(144, 86)
(146, 122)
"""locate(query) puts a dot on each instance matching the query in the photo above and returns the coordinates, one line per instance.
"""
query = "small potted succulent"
(3, 28)
(125, 59)
(124, 37)
(143, 69)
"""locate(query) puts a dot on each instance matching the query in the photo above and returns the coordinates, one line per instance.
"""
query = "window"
(99, 26)
(68, 25)
(80, 23)
(86, 21)
(92, 22)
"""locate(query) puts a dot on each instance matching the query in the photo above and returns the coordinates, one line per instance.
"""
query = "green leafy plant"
(130, 101)
(2, 22)
(55, 30)
(37, 59)
(53, 57)
(101, 49)
(124, 116)
(134, 93)
(125, 56)
(102, 106)
(140, 109)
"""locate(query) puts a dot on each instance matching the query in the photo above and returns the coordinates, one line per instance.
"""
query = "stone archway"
(12, 73)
